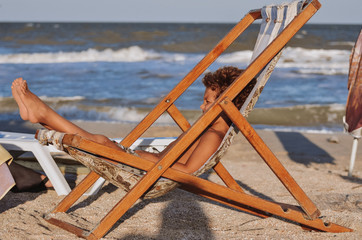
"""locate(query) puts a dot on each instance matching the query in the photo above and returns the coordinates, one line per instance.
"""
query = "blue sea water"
(119, 71)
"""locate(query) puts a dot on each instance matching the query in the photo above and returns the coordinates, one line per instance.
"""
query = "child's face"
(209, 98)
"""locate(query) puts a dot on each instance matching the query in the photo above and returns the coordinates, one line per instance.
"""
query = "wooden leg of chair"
(256, 205)
(244, 208)
(112, 217)
(226, 177)
(76, 193)
(270, 159)
(127, 201)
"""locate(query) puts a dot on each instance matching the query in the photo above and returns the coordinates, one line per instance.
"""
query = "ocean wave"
(73, 108)
(131, 54)
(342, 43)
(300, 115)
(236, 57)
(316, 61)
(61, 99)
(111, 114)
(300, 60)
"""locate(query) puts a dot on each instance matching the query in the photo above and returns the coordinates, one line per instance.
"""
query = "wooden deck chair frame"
(232, 194)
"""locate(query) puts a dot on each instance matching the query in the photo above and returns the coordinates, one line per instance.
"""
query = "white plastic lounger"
(27, 142)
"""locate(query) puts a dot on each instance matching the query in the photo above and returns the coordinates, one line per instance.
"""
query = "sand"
(318, 162)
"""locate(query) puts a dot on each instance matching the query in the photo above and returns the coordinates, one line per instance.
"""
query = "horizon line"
(157, 22)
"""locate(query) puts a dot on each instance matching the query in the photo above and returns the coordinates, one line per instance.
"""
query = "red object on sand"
(354, 100)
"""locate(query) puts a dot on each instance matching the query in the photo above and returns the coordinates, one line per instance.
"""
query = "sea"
(117, 72)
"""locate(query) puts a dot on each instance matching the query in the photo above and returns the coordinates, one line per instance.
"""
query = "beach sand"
(318, 162)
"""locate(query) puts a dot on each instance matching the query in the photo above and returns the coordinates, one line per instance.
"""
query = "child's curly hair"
(222, 78)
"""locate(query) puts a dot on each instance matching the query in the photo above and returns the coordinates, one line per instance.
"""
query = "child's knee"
(101, 139)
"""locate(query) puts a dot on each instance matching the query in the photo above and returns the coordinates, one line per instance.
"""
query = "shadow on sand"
(305, 152)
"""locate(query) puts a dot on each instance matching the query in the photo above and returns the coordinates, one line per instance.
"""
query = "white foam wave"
(316, 61)
(112, 114)
(236, 57)
(342, 43)
(132, 115)
(60, 99)
(181, 58)
(301, 60)
(337, 107)
(131, 54)
(307, 61)
(125, 114)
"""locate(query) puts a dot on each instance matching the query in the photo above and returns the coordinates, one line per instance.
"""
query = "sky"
(194, 11)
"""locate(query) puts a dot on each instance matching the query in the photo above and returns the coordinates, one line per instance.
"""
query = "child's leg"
(36, 111)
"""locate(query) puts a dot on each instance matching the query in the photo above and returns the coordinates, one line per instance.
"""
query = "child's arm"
(195, 156)
(200, 152)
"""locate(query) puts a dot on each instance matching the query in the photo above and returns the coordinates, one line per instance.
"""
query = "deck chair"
(279, 24)
(353, 118)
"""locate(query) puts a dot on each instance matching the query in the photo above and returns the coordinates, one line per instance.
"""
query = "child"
(36, 111)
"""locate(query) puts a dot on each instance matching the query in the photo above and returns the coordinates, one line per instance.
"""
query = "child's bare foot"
(15, 91)
(36, 109)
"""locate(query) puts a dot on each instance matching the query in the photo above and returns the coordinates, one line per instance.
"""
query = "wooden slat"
(226, 177)
(66, 226)
(227, 202)
(179, 119)
(270, 159)
(76, 193)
